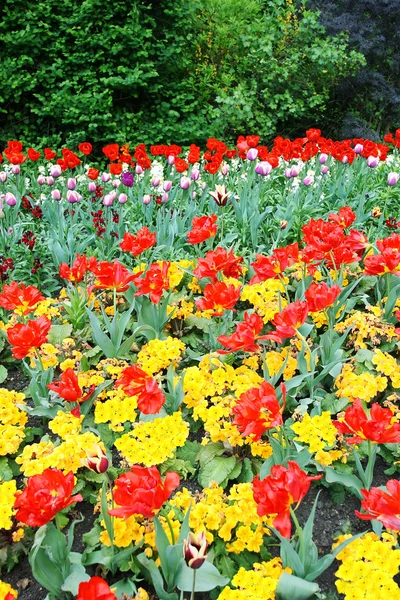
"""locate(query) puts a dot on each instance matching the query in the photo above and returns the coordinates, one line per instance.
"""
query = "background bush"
(166, 71)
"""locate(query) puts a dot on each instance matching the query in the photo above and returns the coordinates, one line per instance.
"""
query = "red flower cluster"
(270, 267)
(141, 491)
(24, 338)
(288, 321)
(382, 506)
(202, 229)
(219, 297)
(44, 496)
(388, 261)
(218, 261)
(319, 296)
(275, 494)
(245, 336)
(258, 410)
(79, 268)
(136, 382)
(154, 282)
(18, 296)
(139, 243)
(379, 427)
(111, 276)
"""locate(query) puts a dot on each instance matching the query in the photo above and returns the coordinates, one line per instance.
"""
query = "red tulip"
(275, 494)
(79, 267)
(24, 338)
(44, 496)
(379, 427)
(218, 261)
(112, 276)
(141, 491)
(18, 296)
(219, 297)
(85, 148)
(344, 218)
(68, 387)
(154, 282)
(136, 382)
(320, 296)
(245, 336)
(202, 229)
(95, 589)
(288, 321)
(382, 506)
(139, 243)
(380, 264)
(258, 410)
(270, 267)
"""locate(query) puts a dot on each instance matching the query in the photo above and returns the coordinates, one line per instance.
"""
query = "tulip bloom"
(319, 296)
(245, 336)
(96, 459)
(68, 387)
(271, 267)
(139, 243)
(136, 382)
(258, 410)
(344, 218)
(275, 494)
(195, 550)
(154, 282)
(25, 338)
(202, 229)
(141, 491)
(288, 321)
(382, 506)
(20, 298)
(112, 276)
(218, 261)
(218, 297)
(379, 427)
(95, 589)
(220, 195)
(79, 267)
(44, 496)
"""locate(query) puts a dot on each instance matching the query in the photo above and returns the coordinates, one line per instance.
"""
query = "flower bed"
(205, 337)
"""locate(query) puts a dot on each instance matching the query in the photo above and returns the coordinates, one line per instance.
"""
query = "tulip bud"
(294, 171)
(71, 183)
(393, 178)
(113, 194)
(194, 195)
(41, 179)
(252, 154)
(116, 183)
(73, 197)
(283, 224)
(96, 459)
(376, 212)
(56, 195)
(50, 180)
(185, 183)
(308, 180)
(155, 181)
(372, 161)
(195, 174)
(195, 550)
(324, 170)
(122, 198)
(171, 159)
(263, 168)
(225, 170)
(91, 186)
(16, 169)
(138, 170)
(323, 158)
(345, 160)
(10, 231)
(203, 185)
(288, 172)
(108, 200)
(105, 177)
(10, 199)
(164, 197)
(358, 148)
(167, 185)
(146, 199)
(3, 176)
(55, 171)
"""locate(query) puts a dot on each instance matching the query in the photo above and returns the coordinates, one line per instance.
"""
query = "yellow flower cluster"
(266, 297)
(276, 360)
(159, 354)
(65, 424)
(182, 308)
(47, 307)
(368, 567)
(12, 421)
(364, 386)
(176, 272)
(152, 443)
(116, 410)
(366, 326)
(5, 589)
(388, 365)
(258, 584)
(67, 456)
(7, 499)
(318, 433)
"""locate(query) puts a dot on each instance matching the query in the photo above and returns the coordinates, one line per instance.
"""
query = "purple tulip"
(288, 172)
(323, 158)
(138, 170)
(127, 179)
(122, 198)
(225, 170)
(372, 161)
(185, 183)
(105, 177)
(345, 160)
(146, 199)
(164, 197)
(50, 180)
(91, 186)
(171, 159)
(195, 174)
(358, 148)
(108, 200)
(294, 171)
(71, 183)
(10, 199)
(41, 179)
(55, 171)
(3, 176)
(252, 154)
(155, 181)
(167, 185)
(16, 169)
(393, 178)
(263, 168)
(324, 170)
(308, 180)
(194, 195)
(116, 183)
(73, 197)
(56, 195)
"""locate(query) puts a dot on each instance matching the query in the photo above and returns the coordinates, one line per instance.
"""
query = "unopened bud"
(323, 158)
(122, 198)
(393, 178)
(263, 168)
(105, 177)
(55, 171)
(146, 199)
(10, 199)
(225, 170)
(41, 179)
(376, 212)
(108, 200)
(91, 186)
(3, 176)
(252, 154)
(155, 181)
(71, 183)
(96, 459)
(171, 159)
(283, 224)
(195, 550)
(138, 170)
(167, 185)
(372, 161)
(358, 148)
(56, 194)
(195, 174)
(16, 169)
(185, 183)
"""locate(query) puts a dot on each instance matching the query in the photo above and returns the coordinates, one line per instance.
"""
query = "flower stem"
(170, 529)
(194, 585)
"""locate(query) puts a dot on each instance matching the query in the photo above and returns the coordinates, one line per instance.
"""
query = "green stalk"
(194, 585)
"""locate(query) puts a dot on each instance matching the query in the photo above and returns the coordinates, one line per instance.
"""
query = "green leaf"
(351, 482)
(216, 470)
(291, 587)
(5, 470)
(207, 453)
(207, 578)
(58, 333)
(3, 373)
